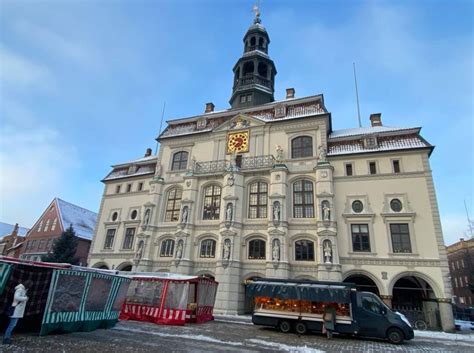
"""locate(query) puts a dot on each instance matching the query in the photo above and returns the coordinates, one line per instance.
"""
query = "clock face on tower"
(238, 142)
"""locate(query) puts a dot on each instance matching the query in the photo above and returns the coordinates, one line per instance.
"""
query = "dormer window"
(280, 111)
(201, 124)
(370, 142)
(132, 169)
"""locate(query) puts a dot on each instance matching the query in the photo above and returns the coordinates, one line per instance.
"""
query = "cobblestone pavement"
(217, 336)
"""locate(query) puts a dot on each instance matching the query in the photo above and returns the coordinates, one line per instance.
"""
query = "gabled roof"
(351, 141)
(295, 108)
(136, 167)
(83, 221)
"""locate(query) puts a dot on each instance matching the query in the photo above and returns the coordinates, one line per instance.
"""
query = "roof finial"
(256, 9)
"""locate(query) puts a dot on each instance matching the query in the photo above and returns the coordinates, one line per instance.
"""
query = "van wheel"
(395, 336)
(300, 328)
(284, 326)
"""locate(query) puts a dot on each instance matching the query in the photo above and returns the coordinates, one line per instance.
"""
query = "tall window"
(212, 202)
(256, 249)
(180, 160)
(304, 250)
(53, 227)
(208, 248)
(360, 237)
(303, 201)
(128, 241)
(400, 238)
(348, 169)
(167, 248)
(109, 238)
(302, 147)
(372, 168)
(396, 166)
(46, 226)
(173, 205)
(258, 200)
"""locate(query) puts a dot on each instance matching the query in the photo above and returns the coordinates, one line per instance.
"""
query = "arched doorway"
(126, 267)
(415, 298)
(363, 283)
(101, 266)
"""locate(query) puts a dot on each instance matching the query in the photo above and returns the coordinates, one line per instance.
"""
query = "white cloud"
(57, 44)
(34, 166)
(454, 227)
(17, 71)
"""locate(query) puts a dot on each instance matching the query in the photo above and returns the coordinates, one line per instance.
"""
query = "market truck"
(299, 305)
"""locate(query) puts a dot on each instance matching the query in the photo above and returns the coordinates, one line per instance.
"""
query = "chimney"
(376, 119)
(290, 93)
(148, 152)
(209, 107)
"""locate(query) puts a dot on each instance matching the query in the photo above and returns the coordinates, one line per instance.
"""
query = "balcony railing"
(251, 79)
(245, 163)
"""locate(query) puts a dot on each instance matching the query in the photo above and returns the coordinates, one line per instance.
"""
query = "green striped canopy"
(5, 271)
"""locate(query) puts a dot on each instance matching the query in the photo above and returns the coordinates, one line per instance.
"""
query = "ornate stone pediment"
(240, 122)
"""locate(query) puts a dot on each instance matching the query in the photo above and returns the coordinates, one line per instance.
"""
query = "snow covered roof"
(387, 143)
(368, 130)
(7, 229)
(136, 167)
(83, 221)
(295, 108)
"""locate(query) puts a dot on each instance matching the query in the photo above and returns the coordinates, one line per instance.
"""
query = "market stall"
(62, 298)
(169, 299)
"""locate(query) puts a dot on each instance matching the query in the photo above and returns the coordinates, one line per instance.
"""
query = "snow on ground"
(257, 342)
(445, 336)
(284, 347)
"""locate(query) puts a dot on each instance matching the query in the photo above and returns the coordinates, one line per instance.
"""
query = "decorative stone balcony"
(243, 164)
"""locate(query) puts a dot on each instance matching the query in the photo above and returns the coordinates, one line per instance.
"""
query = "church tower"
(254, 72)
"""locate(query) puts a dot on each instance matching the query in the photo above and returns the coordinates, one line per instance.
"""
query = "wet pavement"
(221, 335)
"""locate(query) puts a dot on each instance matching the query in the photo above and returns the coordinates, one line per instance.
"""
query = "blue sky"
(83, 83)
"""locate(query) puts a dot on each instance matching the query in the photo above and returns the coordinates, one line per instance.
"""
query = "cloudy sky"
(83, 83)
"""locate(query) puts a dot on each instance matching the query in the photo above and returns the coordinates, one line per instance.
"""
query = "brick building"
(56, 219)
(461, 267)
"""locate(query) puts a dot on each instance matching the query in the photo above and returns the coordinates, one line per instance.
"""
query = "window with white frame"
(400, 235)
(258, 196)
(46, 226)
(208, 248)
(109, 238)
(173, 205)
(304, 250)
(167, 248)
(53, 227)
(128, 240)
(256, 249)
(303, 200)
(212, 202)
(360, 237)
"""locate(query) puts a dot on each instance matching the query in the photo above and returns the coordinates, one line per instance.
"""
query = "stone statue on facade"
(326, 211)
(279, 152)
(179, 250)
(276, 211)
(226, 253)
(228, 212)
(159, 170)
(146, 219)
(322, 154)
(276, 250)
(184, 215)
(327, 252)
(139, 252)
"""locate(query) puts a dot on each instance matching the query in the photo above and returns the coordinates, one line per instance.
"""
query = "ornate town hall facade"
(267, 188)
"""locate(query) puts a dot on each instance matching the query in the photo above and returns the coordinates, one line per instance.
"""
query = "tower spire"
(254, 72)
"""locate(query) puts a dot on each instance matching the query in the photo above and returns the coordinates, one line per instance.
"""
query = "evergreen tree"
(64, 249)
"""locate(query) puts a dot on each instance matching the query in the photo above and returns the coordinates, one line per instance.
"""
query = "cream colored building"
(268, 189)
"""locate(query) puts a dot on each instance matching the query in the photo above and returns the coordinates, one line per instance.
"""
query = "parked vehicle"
(299, 305)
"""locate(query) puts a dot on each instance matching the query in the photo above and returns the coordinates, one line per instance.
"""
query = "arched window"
(208, 248)
(304, 250)
(256, 249)
(262, 70)
(173, 205)
(258, 196)
(212, 202)
(253, 41)
(303, 201)
(248, 68)
(180, 160)
(261, 43)
(167, 248)
(302, 147)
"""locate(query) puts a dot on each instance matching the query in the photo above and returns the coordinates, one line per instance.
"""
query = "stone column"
(446, 314)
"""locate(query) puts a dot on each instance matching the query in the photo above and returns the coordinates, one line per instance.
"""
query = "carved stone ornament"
(188, 183)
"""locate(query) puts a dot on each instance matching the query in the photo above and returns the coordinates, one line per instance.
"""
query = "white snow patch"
(284, 347)
(445, 336)
(191, 337)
